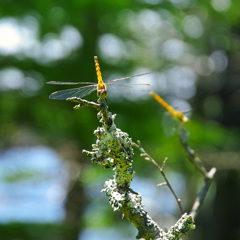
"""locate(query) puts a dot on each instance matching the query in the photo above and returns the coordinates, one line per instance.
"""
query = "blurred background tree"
(193, 51)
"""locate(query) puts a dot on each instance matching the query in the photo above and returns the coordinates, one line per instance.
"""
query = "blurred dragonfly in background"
(100, 87)
(174, 116)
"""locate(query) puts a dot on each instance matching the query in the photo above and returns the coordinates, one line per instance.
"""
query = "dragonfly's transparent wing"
(86, 90)
(73, 92)
(128, 91)
(124, 78)
(169, 124)
(69, 83)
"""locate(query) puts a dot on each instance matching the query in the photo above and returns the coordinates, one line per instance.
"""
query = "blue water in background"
(33, 185)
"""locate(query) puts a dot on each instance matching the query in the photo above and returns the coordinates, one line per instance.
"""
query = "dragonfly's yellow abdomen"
(101, 87)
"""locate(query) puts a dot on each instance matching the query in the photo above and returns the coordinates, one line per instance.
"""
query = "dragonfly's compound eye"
(102, 93)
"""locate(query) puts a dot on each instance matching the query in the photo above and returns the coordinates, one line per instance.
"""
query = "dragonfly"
(81, 92)
(175, 114)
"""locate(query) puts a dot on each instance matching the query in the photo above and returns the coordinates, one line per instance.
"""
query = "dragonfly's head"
(102, 91)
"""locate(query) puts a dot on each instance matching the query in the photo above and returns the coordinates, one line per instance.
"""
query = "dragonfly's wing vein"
(129, 84)
(73, 92)
(124, 78)
(69, 83)
(128, 88)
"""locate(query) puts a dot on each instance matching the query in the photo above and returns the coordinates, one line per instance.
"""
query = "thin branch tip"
(161, 184)
(211, 173)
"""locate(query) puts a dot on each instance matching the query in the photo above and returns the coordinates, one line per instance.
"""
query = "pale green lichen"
(130, 203)
(183, 226)
(113, 149)
(116, 199)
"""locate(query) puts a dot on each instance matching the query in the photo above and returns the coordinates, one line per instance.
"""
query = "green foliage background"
(139, 29)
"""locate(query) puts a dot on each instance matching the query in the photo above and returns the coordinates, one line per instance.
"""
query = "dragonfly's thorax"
(101, 90)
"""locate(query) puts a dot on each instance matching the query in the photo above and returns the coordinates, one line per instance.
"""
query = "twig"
(83, 103)
(201, 196)
(192, 156)
(195, 160)
(149, 158)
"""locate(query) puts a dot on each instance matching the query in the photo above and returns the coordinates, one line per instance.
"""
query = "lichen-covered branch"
(83, 103)
(130, 203)
(183, 226)
(113, 149)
